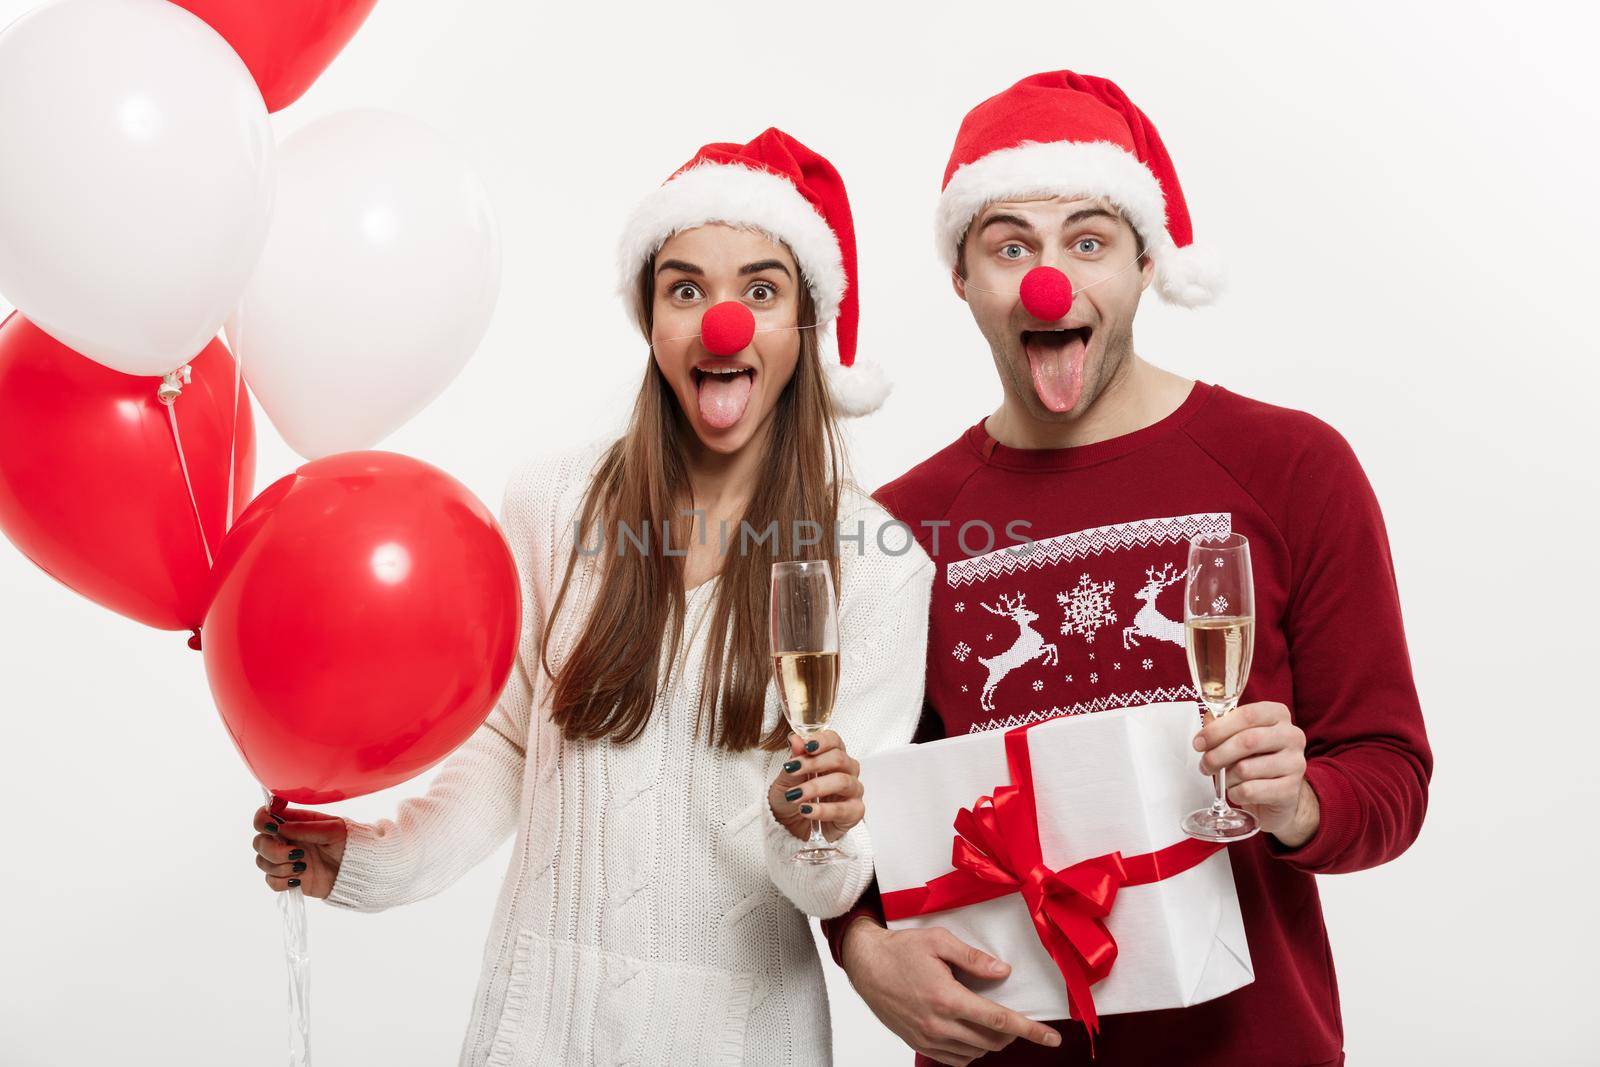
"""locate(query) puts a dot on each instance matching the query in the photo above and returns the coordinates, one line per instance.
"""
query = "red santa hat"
(776, 185)
(1067, 134)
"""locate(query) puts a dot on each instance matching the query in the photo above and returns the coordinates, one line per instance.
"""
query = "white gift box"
(1110, 781)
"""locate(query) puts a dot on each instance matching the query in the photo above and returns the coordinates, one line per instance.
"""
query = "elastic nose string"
(762, 329)
(1075, 290)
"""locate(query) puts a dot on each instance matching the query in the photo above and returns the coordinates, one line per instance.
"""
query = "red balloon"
(287, 44)
(90, 485)
(366, 616)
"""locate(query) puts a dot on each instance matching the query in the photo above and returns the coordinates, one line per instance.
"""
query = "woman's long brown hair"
(607, 687)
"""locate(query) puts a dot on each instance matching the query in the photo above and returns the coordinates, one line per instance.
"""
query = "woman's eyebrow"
(765, 264)
(678, 264)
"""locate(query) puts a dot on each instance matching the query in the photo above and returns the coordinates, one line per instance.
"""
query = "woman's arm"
(469, 809)
(472, 804)
(883, 635)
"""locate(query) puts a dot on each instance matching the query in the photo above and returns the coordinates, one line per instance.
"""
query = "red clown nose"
(727, 328)
(1046, 293)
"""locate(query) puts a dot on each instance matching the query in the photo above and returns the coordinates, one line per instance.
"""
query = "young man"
(1115, 464)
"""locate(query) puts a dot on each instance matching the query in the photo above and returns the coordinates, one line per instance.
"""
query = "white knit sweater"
(651, 913)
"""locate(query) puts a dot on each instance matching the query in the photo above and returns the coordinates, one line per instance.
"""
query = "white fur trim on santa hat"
(1187, 276)
(857, 390)
(739, 196)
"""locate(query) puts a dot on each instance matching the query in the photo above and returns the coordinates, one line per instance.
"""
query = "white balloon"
(136, 178)
(379, 275)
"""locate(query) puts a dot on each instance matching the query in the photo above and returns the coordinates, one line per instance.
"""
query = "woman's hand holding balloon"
(296, 847)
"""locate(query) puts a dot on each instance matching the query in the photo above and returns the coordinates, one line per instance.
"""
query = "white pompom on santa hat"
(780, 187)
(1076, 135)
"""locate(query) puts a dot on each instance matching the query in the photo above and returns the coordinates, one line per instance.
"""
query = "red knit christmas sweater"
(1098, 602)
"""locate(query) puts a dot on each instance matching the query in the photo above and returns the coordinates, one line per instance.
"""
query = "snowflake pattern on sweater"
(1135, 572)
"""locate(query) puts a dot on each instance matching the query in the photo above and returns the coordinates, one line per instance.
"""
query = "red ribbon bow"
(996, 852)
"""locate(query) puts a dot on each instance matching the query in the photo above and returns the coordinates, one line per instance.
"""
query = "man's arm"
(929, 728)
(907, 976)
(868, 907)
(1367, 758)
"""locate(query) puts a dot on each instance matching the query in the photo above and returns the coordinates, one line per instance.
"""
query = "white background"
(1405, 196)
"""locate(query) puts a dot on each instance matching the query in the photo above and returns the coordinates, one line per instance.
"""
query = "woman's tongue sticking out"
(724, 394)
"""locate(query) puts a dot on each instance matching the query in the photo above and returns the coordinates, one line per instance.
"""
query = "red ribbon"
(996, 853)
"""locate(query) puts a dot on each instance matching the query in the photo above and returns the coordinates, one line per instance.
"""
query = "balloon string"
(233, 437)
(183, 465)
(297, 956)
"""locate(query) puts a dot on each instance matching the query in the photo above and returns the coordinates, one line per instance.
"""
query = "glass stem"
(816, 840)
(1220, 806)
(1219, 781)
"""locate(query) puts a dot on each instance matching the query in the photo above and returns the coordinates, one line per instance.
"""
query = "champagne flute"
(805, 659)
(1219, 624)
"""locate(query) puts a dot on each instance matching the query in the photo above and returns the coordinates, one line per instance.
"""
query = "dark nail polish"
(294, 881)
(271, 828)
(297, 853)
(792, 766)
(298, 867)
(793, 794)
(805, 809)
(811, 746)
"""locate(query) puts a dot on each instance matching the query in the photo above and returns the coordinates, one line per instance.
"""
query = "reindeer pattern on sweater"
(1073, 623)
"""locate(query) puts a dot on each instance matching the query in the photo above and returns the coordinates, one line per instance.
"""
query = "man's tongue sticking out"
(723, 398)
(1056, 359)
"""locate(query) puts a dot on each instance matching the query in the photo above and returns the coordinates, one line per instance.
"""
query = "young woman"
(653, 912)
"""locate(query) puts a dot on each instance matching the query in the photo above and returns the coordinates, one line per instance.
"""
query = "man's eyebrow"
(677, 264)
(1089, 213)
(1006, 220)
(765, 264)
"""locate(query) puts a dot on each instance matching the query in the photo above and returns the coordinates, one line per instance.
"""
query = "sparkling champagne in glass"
(805, 658)
(1219, 627)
